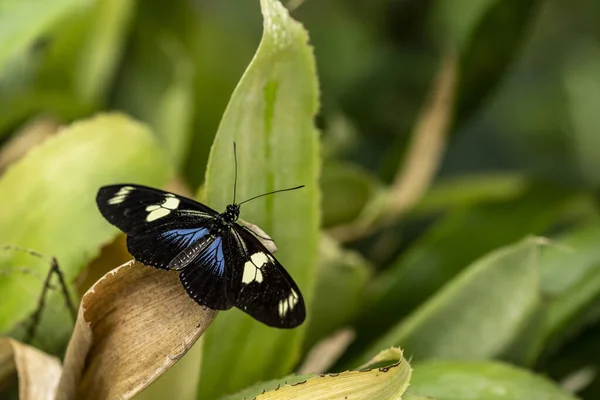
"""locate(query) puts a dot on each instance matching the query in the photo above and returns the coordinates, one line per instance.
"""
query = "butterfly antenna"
(235, 179)
(275, 191)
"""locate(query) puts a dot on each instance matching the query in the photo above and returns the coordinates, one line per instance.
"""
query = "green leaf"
(459, 239)
(157, 85)
(470, 190)
(49, 203)
(445, 380)
(346, 190)
(472, 27)
(22, 22)
(582, 85)
(470, 318)
(571, 280)
(223, 45)
(270, 117)
(88, 47)
(342, 276)
(457, 20)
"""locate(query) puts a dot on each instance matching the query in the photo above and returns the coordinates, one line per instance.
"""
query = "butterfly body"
(221, 263)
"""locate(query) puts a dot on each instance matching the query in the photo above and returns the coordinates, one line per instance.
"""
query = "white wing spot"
(286, 305)
(252, 268)
(157, 211)
(171, 203)
(120, 196)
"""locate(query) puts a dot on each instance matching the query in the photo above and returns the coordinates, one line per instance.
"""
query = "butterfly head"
(232, 213)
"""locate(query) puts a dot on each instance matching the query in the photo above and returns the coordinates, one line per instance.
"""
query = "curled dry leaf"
(383, 383)
(133, 325)
(38, 372)
(260, 235)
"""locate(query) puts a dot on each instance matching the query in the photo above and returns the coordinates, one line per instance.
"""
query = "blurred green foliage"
(451, 276)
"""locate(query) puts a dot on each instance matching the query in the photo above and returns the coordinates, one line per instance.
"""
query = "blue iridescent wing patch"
(205, 278)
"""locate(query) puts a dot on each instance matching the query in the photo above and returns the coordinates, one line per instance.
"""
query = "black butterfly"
(222, 263)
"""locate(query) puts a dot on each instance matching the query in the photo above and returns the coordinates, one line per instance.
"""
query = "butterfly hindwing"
(159, 225)
(261, 286)
(206, 278)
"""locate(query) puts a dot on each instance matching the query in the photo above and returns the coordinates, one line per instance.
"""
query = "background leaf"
(433, 260)
(342, 278)
(59, 217)
(157, 83)
(470, 317)
(443, 380)
(23, 22)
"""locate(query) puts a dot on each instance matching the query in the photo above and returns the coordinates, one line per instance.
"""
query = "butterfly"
(221, 262)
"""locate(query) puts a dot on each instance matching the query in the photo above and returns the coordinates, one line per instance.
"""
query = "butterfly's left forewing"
(159, 225)
(260, 285)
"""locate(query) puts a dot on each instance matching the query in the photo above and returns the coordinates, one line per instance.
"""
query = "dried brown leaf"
(133, 325)
(38, 372)
(428, 143)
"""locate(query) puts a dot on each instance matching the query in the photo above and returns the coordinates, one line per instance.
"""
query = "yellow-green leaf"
(22, 22)
(384, 377)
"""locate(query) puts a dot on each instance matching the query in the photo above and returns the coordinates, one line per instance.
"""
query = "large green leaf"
(443, 380)
(48, 202)
(459, 239)
(270, 117)
(470, 318)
